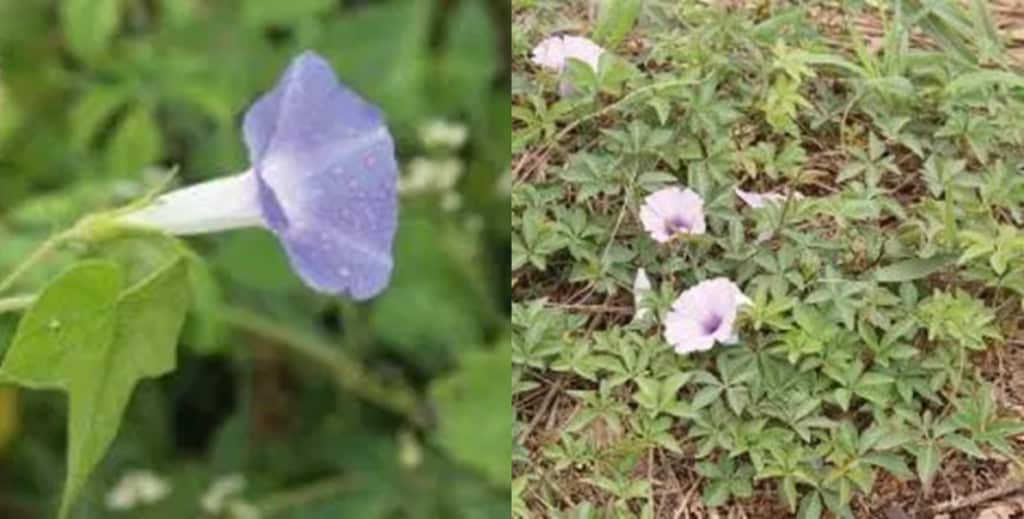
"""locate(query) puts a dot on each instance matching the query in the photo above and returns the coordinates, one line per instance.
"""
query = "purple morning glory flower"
(322, 178)
(672, 212)
(704, 314)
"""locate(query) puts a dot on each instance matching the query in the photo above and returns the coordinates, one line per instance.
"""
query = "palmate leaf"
(94, 338)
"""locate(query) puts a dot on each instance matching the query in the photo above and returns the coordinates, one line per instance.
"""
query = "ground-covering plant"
(336, 359)
(759, 251)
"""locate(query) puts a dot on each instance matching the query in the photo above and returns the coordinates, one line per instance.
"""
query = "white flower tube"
(218, 205)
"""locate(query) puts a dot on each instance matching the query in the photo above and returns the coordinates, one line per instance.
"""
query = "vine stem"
(40, 254)
(279, 503)
(349, 374)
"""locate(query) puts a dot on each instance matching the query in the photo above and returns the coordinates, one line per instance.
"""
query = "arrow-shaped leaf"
(95, 339)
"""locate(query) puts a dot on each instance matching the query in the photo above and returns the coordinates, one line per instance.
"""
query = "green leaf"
(787, 489)
(137, 143)
(890, 462)
(843, 396)
(737, 398)
(90, 337)
(706, 396)
(615, 19)
(92, 110)
(981, 79)
(710, 470)
(833, 60)
(716, 493)
(473, 406)
(140, 255)
(909, 270)
(810, 506)
(927, 463)
(89, 25)
(965, 445)
(613, 72)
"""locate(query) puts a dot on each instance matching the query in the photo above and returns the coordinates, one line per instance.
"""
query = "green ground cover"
(873, 364)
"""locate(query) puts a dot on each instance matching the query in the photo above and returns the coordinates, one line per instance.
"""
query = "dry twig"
(978, 498)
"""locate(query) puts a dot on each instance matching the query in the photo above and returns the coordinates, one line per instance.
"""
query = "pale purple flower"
(552, 52)
(672, 212)
(703, 315)
(759, 200)
(322, 178)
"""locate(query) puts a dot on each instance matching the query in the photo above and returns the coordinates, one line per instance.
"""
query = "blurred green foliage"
(101, 99)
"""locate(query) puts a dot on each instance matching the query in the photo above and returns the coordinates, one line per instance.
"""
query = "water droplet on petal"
(344, 272)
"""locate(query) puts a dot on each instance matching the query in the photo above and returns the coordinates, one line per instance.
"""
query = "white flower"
(552, 53)
(451, 201)
(137, 488)
(243, 510)
(704, 314)
(410, 454)
(672, 212)
(431, 176)
(222, 493)
(641, 287)
(440, 133)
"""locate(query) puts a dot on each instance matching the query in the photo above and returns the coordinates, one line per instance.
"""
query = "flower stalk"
(348, 373)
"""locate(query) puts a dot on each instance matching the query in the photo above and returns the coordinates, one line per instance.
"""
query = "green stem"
(354, 334)
(88, 228)
(40, 254)
(787, 204)
(350, 375)
(16, 303)
(281, 502)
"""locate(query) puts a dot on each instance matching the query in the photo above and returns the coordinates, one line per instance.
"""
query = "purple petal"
(670, 212)
(327, 175)
(711, 323)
